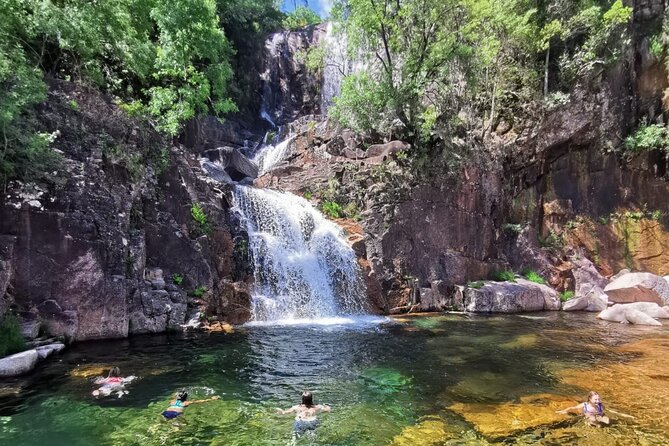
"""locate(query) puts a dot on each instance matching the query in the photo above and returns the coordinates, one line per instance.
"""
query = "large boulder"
(638, 313)
(18, 364)
(389, 148)
(638, 287)
(511, 297)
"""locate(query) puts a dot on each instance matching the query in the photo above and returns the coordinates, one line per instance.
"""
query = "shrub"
(476, 285)
(11, 339)
(566, 295)
(533, 276)
(504, 276)
(200, 218)
(199, 291)
(332, 209)
(177, 279)
(648, 137)
(514, 228)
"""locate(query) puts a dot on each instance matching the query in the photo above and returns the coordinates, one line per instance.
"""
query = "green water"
(379, 380)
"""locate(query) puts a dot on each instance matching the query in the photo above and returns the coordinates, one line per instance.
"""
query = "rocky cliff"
(111, 248)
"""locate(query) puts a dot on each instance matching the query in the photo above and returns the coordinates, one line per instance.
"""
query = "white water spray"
(303, 267)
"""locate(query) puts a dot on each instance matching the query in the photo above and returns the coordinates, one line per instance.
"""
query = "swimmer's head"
(307, 398)
(593, 397)
(114, 372)
(182, 395)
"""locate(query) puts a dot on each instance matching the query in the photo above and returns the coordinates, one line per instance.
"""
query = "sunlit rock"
(638, 287)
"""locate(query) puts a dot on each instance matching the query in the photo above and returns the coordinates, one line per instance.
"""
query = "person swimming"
(112, 383)
(305, 413)
(593, 410)
(178, 405)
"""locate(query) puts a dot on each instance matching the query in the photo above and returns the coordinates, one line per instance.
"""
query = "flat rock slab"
(638, 287)
(18, 364)
(503, 420)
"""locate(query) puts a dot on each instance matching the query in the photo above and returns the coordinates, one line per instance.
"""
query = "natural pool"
(436, 380)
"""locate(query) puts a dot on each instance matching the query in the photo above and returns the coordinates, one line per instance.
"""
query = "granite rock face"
(18, 364)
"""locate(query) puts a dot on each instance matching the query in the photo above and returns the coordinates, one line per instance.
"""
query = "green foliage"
(200, 217)
(332, 209)
(476, 285)
(553, 240)
(533, 276)
(11, 339)
(199, 291)
(177, 279)
(73, 105)
(657, 47)
(657, 215)
(566, 295)
(308, 195)
(648, 137)
(556, 99)
(504, 276)
(301, 17)
(515, 228)
(351, 211)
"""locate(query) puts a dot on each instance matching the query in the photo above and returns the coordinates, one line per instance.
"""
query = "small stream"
(380, 378)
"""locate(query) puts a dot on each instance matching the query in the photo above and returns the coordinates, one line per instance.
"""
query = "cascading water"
(303, 267)
(271, 154)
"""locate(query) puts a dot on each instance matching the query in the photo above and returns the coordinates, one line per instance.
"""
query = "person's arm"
(324, 408)
(569, 409)
(286, 411)
(215, 397)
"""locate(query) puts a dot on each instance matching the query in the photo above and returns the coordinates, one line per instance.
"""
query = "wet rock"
(157, 311)
(428, 432)
(6, 253)
(510, 297)
(231, 161)
(18, 364)
(638, 287)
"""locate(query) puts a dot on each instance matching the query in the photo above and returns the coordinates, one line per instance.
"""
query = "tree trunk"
(548, 56)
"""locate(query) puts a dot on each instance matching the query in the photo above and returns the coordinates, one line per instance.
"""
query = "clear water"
(380, 379)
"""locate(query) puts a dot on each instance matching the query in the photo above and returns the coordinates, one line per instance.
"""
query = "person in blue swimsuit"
(305, 413)
(592, 409)
(178, 405)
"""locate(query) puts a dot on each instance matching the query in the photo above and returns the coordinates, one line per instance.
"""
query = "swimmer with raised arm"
(305, 413)
(178, 405)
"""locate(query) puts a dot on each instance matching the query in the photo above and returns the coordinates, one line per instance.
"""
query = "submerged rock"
(638, 287)
(503, 420)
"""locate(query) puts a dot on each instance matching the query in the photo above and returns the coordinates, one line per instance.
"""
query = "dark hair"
(114, 372)
(307, 398)
(182, 395)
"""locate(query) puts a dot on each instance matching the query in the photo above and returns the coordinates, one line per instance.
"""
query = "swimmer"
(178, 405)
(593, 410)
(112, 383)
(305, 413)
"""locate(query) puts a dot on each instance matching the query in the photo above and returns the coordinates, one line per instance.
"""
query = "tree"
(301, 17)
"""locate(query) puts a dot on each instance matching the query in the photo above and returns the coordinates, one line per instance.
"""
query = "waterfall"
(272, 154)
(303, 266)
